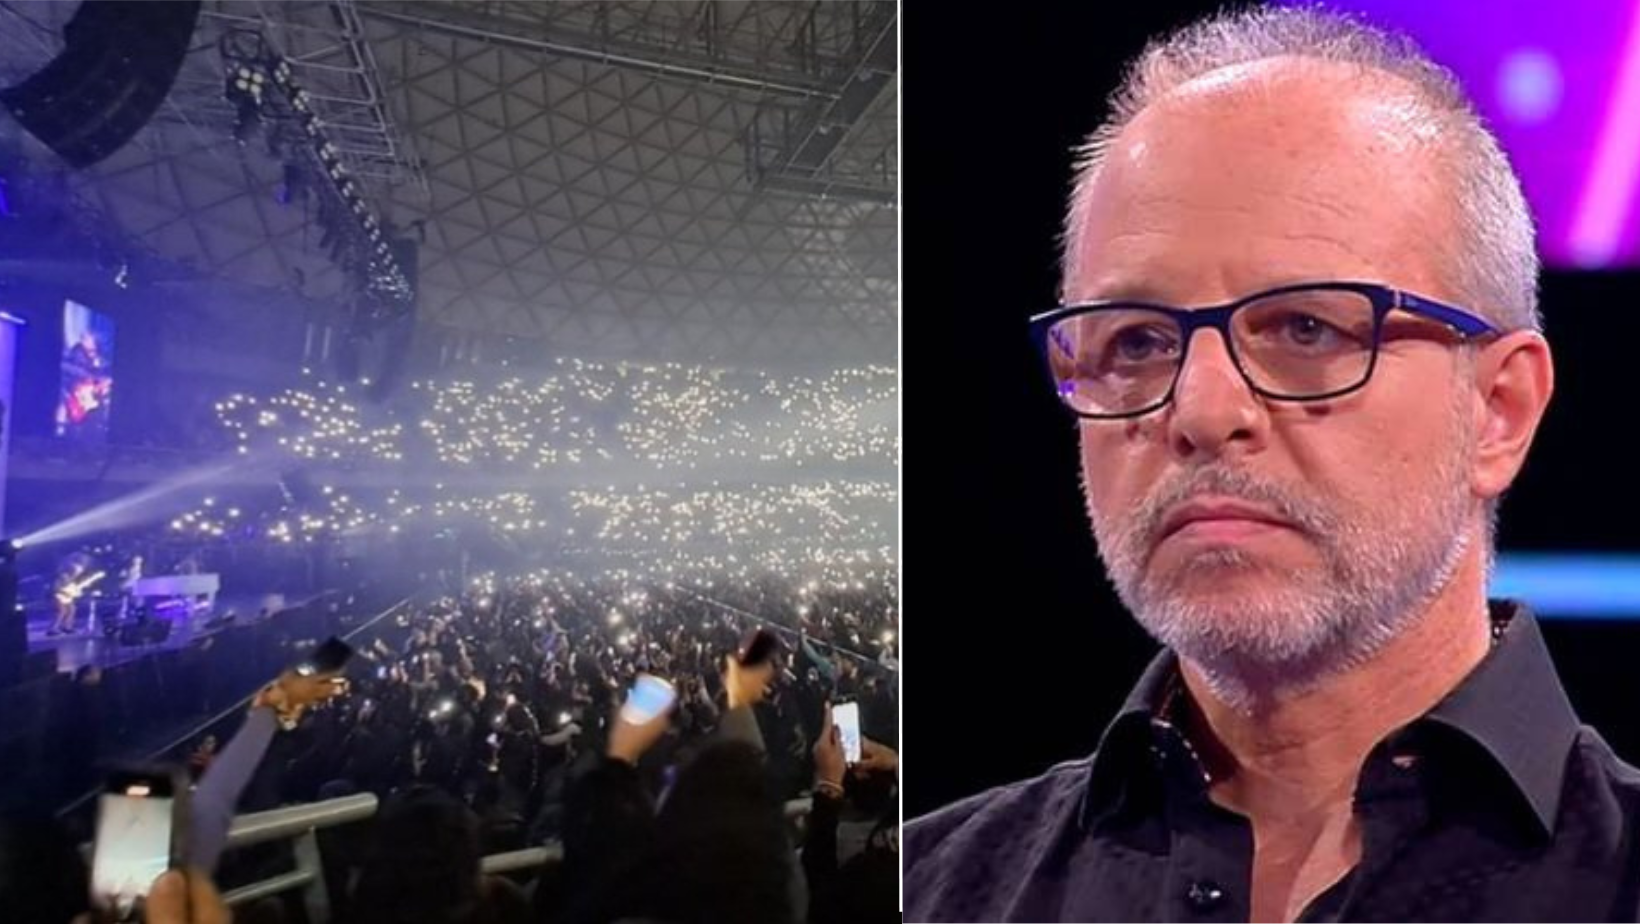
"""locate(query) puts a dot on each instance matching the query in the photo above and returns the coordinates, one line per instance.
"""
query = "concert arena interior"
(450, 458)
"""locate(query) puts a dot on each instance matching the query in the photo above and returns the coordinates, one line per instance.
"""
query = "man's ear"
(1515, 376)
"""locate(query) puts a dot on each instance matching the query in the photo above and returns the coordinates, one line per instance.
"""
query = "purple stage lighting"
(1559, 83)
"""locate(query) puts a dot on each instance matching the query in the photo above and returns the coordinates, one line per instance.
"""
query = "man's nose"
(1213, 408)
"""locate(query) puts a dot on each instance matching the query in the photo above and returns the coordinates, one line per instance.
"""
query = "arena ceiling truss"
(708, 181)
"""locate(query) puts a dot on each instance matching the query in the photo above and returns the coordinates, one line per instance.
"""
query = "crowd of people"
(645, 519)
(837, 526)
(487, 722)
(659, 418)
(589, 467)
(494, 695)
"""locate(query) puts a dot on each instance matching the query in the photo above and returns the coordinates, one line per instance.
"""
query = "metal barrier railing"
(301, 823)
(536, 857)
(529, 858)
(787, 630)
(158, 755)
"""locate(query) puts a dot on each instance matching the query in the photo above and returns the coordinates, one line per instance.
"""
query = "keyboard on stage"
(178, 585)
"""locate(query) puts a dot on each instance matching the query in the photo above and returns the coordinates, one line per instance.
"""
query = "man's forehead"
(1307, 89)
(1265, 176)
(1282, 109)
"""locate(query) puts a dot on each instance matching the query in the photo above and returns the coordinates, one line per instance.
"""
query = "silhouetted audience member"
(717, 851)
(863, 886)
(424, 868)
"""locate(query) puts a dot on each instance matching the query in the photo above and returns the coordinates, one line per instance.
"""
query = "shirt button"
(1204, 895)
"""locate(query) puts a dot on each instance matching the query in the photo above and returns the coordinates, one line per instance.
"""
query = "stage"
(92, 644)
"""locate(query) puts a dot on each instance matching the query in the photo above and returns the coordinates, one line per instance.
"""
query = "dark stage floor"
(89, 645)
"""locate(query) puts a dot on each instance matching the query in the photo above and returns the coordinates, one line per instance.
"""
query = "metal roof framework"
(708, 181)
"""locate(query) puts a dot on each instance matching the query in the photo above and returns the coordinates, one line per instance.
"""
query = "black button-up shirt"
(1496, 805)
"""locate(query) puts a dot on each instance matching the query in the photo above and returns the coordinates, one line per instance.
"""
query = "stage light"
(142, 506)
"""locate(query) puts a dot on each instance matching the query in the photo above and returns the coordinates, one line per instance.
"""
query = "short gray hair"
(1496, 269)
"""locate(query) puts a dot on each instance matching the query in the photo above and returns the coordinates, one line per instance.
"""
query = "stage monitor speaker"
(119, 61)
(145, 632)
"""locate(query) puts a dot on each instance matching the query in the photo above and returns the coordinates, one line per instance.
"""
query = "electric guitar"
(73, 590)
(86, 396)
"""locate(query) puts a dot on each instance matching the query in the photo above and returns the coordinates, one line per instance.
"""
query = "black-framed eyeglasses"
(1306, 342)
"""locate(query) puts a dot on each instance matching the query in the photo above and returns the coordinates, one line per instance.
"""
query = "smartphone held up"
(142, 823)
(651, 696)
(757, 647)
(329, 658)
(846, 717)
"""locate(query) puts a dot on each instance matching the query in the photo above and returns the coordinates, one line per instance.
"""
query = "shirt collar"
(1512, 705)
(1127, 739)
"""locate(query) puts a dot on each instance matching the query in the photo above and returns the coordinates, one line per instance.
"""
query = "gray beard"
(1376, 580)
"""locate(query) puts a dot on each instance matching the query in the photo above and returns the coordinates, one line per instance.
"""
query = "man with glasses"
(1299, 332)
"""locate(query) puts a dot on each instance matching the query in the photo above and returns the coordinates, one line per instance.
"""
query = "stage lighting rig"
(244, 84)
(264, 87)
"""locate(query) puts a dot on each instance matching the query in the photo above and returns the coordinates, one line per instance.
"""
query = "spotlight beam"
(149, 503)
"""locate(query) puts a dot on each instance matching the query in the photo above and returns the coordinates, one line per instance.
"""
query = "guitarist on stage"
(67, 590)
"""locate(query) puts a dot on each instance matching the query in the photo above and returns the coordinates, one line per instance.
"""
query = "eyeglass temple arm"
(1461, 321)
